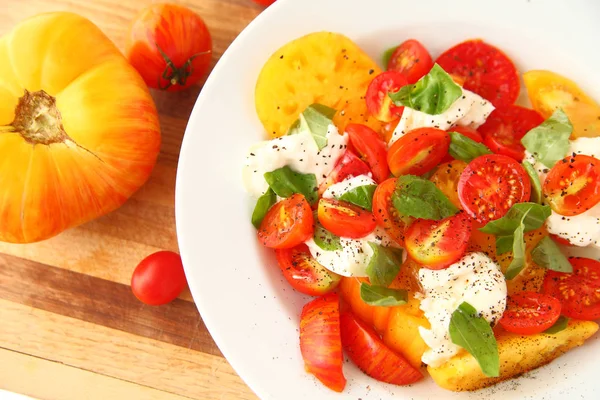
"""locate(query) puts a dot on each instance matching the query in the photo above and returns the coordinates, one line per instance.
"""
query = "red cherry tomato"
(578, 292)
(304, 273)
(561, 240)
(418, 152)
(287, 224)
(573, 185)
(438, 244)
(320, 341)
(170, 46)
(372, 356)
(529, 313)
(379, 103)
(159, 278)
(505, 127)
(490, 185)
(371, 148)
(345, 219)
(466, 131)
(265, 3)
(411, 59)
(347, 166)
(386, 214)
(485, 69)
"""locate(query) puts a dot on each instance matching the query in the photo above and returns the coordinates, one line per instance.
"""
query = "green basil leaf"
(518, 262)
(382, 296)
(536, 185)
(384, 265)
(466, 149)
(420, 198)
(285, 182)
(560, 325)
(547, 254)
(504, 244)
(473, 333)
(325, 239)
(432, 94)
(315, 119)
(536, 215)
(387, 56)
(549, 142)
(263, 204)
(361, 196)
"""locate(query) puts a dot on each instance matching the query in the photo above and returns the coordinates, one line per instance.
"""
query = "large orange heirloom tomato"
(79, 131)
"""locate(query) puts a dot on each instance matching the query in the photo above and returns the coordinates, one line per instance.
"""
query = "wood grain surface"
(70, 328)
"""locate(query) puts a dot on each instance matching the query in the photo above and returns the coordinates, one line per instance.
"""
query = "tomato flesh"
(159, 278)
(372, 356)
(418, 152)
(344, 219)
(491, 185)
(287, 224)
(438, 244)
(529, 313)
(379, 103)
(579, 291)
(320, 341)
(573, 185)
(411, 59)
(485, 69)
(446, 178)
(347, 166)
(371, 148)
(386, 214)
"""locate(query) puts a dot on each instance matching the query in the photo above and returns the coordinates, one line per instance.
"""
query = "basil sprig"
(536, 185)
(432, 94)
(420, 198)
(361, 196)
(549, 141)
(315, 119)
(560, 325)
(466, 149)
(286, 182)
(473, 333)
(547, 254)
(387, 56)
(518, 246)
(384, 264)
(263, 204)
(382, 296)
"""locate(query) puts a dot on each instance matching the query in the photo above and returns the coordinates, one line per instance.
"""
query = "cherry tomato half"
(505, 127)
(371, 148)
(345, 219)
(411, 59)
(446, 178)
(287, 224)
(486, 70)
(304, 273)
(386, 214)
(379, 103)
(579, 291)
(348, 165)
(366, 349)
(528, 313)
(418, 152)
(466, 131)
(490, 185)
(320, 341)
(573, 185)
(438, 244)
(159, 278)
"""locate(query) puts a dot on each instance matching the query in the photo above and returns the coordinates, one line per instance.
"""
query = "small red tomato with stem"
(159, 278)
(170, 46)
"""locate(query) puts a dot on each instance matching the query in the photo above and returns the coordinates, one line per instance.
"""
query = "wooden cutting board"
(70, 328)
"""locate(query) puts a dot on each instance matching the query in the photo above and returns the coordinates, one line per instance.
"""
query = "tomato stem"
(37, 119)
(174, 75)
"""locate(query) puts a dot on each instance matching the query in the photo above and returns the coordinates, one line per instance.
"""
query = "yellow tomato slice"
(549, 91)
(446, 178)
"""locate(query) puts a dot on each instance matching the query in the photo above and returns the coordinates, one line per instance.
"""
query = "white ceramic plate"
(249, 309)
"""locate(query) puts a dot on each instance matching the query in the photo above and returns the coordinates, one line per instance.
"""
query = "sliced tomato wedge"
(411, 59)
(386, 214)
(505, 127)
(446, 178)
(528, 313)
(348, 165)
(418, 152)
(366, 349)
(573, 185)
(371, 148)
(287, 224)
(466, 131)
(578, 292)
(379, 103)
(345, 219)
(438, 244)
(490, 185)
(304, 273)
(486, 70)
(320, 341)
